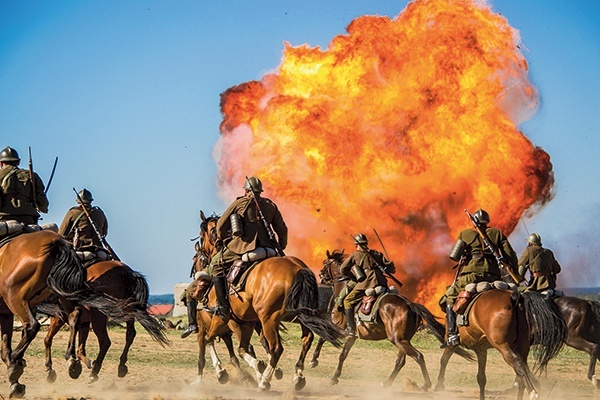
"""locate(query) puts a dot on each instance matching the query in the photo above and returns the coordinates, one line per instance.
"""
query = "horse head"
(208, 245)
(331, 271)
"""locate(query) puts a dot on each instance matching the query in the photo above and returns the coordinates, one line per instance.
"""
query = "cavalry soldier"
(243, 233)
(477, 263)
(22, 195)
(366, 267)
(77, 228)
(541, 264)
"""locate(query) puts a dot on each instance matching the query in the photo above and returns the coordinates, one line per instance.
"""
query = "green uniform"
(374, 276)
(542, 265)
(254, 233)
(16, 195)
(481, 265)
(76, 227)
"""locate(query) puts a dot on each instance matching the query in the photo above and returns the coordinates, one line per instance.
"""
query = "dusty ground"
(156, 373)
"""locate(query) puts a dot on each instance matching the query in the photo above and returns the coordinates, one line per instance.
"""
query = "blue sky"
(126, 94)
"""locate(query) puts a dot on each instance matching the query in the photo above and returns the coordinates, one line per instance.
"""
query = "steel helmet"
(481, 217)
(254, 184)
(9, 154)
(361, 239)
(86, 196)
(534, 239)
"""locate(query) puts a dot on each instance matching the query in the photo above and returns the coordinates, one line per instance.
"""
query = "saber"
(381, 243)
(51, 175)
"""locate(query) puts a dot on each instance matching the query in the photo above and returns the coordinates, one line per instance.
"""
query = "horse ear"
(328, 254)
(197, 246)
(202, 216)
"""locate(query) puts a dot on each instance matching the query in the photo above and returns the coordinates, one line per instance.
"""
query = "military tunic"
(374, 276)
(542, 265)
(77, 225)
(16, 195)
(254, 233)
(481, 264)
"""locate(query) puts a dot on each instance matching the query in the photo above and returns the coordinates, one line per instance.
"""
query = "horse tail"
(139, 306)
(301, 304)
(547, 328)
(435, 327)
(67, 278)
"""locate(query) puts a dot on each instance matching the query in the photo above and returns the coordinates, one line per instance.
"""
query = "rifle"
(32, 179)
(504, 266)
(381, 268)
(51, 175)
(265, 222)
(96, 230)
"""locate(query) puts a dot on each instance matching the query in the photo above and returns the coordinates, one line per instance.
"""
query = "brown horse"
(398, 320)
(509, 322)
(32, 267)
(278, 288)
(130, 289)
(583, 323)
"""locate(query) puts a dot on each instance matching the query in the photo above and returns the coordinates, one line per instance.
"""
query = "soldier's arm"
(41, 199)
(66, 224)
(280, 229)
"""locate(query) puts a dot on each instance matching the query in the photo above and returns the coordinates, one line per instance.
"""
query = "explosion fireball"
(399, 125)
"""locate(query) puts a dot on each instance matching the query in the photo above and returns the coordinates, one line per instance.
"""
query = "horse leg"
(99, 323)
(271, 335)
(75, 327)
(201, 351)
(246, 351)
(130, 334)
(307, 339)
(315, 358)
(593, 350)
(481, 378)
(406, 348)
(400, 361)
(55, 324)
(14, 358)
(343, 355)
(83, 334)
(443, 365)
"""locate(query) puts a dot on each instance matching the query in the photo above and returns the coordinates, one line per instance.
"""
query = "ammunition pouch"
(9, 227)
(462, 302)
(457, 250)
(366, 304)
(235, 270)
(237, 228)
(359, 273)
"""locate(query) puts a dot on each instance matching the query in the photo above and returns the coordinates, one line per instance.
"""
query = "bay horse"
(583, 323)
(130, 288)
(276, 289)
(32, 267)
(398, 320)
(510, 323)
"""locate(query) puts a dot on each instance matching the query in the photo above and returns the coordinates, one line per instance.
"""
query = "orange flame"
(398, 125)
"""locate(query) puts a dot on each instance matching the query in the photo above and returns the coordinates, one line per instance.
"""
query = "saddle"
(11, 229)
(468, 297)
(368, 308)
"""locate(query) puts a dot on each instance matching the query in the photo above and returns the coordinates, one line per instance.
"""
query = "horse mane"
(338, 255)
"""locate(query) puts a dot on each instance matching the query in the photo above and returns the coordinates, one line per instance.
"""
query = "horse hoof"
(223, 377)
(439, 387)
(197, 382)
(278, 373)
(333, 381)
(595, 381)
(123, 370)
(313, 363)
(51, 377)
(92, 378)
(261, 366)
(17, 390)
(74, 368)
(264, 386)
(299, 383)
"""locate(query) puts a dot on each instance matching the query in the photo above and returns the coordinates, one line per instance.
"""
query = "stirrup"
(349, 332)
(192, 328)
(453, 340)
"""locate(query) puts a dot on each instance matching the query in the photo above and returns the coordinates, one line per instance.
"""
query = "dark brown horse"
(583, 323)
(130, 289)
(278, 288)
(397, 321)
(509, 322)
(32, 267)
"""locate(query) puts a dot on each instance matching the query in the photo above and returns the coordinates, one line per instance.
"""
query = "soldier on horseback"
(76, 227)
(477, 263)
(366, 269)
(541, 263)
(22, 195)
(243, 231)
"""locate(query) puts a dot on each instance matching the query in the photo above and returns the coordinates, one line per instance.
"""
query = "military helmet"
(9, 154)
(254, 184)
(481, 217)
(85, 196)
(534, 239)
(361, 239)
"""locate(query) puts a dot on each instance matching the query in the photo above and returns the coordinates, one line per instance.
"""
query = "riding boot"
(453, 336)
(221, 315)
(350, 322)
(192, 311)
